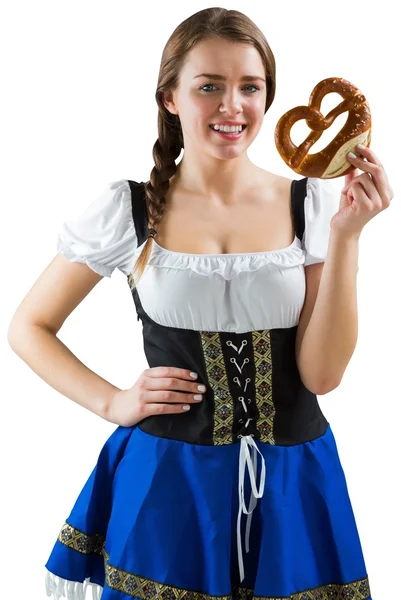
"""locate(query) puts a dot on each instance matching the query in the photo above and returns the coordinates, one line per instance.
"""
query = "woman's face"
(202, 100)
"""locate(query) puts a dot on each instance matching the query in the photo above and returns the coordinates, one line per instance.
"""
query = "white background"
(78, 111)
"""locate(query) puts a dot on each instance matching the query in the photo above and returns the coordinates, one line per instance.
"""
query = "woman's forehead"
(223, 60)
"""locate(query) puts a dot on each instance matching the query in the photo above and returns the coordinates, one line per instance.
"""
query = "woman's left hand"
(363, 196)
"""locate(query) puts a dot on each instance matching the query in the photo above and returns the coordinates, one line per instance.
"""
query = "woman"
(234, 296)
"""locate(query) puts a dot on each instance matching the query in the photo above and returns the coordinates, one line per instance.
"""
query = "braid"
(165, 152)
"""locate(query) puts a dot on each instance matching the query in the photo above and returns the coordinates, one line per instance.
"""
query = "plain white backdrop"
(78, 111)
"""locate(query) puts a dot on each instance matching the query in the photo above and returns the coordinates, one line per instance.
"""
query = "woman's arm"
(32, 334)
(330, 337)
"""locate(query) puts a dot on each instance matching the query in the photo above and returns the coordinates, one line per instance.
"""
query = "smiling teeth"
(227, 128)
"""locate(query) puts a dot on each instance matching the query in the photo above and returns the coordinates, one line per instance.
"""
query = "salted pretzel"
(332, 161)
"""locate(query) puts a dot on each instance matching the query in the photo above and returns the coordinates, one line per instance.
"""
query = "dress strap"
(298, 195)
(139, 212)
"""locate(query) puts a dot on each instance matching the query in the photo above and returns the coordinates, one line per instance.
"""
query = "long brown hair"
(230, 25)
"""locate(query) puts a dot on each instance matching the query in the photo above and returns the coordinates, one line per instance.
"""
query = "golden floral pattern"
(148, 589)
(263, 384)
(218, 381)
(80, 541)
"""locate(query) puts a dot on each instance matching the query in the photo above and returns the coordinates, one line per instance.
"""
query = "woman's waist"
(220, 421)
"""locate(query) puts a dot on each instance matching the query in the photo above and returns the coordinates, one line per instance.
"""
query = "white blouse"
(210, 292)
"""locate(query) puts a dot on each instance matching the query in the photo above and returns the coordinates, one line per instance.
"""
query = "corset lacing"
(245, 459)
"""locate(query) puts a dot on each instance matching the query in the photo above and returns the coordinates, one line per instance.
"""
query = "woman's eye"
(212, 84)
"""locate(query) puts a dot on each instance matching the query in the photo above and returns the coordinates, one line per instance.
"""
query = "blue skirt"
(160, 519)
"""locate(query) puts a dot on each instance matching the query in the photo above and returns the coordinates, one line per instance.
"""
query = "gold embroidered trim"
(241, 593)
(147, 589)
(262, 352)
(217, 377)
(356, 590)
(80, 541)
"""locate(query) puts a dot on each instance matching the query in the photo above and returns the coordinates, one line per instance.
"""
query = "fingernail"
(351, 155)
(361, 146)
(202, 388)
(194, 375)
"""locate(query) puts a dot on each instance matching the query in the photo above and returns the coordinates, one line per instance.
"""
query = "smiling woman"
(225, 97)
(240, 493)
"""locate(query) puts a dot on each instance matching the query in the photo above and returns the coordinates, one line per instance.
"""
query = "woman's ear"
(168, 101)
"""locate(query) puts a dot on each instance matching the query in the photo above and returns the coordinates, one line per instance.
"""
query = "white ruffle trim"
(72, 590)
(65, 249)
(227, 265)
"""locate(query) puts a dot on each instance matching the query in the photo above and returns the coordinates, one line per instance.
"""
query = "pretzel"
(332, 161)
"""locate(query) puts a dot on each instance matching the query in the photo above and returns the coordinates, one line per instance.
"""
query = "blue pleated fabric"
(157, 518)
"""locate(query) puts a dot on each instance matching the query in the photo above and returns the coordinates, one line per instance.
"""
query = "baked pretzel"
(332, 161)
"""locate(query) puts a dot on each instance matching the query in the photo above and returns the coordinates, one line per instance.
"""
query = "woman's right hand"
(154, 393)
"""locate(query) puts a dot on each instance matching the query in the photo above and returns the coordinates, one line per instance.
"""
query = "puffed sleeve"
(322, 201)
(103, 236)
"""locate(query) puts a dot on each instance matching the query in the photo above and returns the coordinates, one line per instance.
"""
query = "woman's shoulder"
(103, 234)
(264, 177)
(320, 202)
(268, 185)
(315, 187)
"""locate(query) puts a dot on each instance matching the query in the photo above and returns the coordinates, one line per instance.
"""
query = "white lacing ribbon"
(245, 459)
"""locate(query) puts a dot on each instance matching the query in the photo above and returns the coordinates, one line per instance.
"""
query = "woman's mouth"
(228, 135)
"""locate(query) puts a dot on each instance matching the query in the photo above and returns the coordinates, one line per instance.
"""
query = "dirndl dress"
(244, 496)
